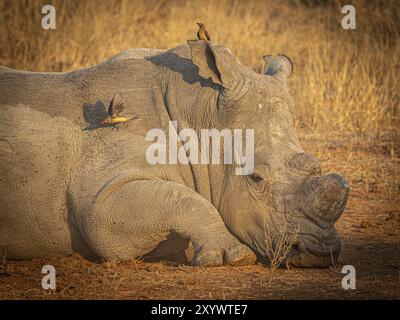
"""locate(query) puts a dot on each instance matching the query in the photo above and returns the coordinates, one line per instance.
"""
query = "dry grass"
(279, 241)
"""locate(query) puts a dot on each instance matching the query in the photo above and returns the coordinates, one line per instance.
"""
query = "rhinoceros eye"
(256, 177)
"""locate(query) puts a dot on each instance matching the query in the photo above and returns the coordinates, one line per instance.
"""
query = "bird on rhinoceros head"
(202, 34)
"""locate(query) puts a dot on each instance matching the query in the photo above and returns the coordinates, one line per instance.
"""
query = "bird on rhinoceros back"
(202, 34)
(115, 111)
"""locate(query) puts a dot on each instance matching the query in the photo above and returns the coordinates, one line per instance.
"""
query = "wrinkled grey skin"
(69, 185)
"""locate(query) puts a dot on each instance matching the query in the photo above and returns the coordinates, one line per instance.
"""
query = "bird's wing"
(207, 35)
(116, 108)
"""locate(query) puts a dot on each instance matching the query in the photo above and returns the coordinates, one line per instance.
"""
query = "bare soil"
(369, 228)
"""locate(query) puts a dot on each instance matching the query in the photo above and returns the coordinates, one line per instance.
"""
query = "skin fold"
(69, 184)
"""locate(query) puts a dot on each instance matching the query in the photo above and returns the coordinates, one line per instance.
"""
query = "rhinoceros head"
(285, 204)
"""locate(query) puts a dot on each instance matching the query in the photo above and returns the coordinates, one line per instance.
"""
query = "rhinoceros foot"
(234, 254)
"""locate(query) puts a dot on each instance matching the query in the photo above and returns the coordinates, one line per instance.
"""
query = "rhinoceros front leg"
(130, 220)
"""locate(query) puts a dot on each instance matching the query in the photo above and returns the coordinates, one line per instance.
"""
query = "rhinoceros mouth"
(316, 245)
(308, 251)
(312, 245)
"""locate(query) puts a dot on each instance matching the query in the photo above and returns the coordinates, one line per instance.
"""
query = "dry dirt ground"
(369, 228)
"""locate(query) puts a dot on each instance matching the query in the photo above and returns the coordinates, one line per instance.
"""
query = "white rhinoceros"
(68, 184)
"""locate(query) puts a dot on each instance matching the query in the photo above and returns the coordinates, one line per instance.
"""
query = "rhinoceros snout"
(325, 198)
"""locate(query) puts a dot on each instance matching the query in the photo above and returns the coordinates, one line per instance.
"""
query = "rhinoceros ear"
(215, 63)
(280, 67)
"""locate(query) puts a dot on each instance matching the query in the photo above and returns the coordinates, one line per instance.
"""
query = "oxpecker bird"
(202, 34)
(115, 111)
